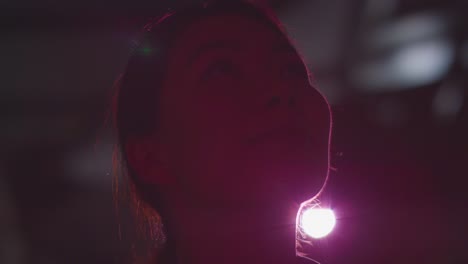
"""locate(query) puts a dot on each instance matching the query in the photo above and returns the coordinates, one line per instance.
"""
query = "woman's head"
(215, 108)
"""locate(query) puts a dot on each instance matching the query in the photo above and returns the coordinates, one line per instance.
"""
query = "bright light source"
(317, 222)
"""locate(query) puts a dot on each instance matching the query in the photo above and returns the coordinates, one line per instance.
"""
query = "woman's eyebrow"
(210, 47)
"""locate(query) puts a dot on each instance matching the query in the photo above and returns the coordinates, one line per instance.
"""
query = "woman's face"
(240, 123)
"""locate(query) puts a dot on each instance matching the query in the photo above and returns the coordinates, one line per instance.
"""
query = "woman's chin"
(295, 174)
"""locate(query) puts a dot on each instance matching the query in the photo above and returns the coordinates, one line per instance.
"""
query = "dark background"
(395, 72)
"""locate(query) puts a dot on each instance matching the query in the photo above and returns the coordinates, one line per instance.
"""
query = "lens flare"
(317, 222)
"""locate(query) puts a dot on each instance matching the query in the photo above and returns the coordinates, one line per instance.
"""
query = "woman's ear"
(148, 159)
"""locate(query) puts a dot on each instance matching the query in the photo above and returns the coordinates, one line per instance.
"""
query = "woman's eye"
(218, 69)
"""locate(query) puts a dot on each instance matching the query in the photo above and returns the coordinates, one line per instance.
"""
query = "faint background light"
(91, 165)
(410, 66)
(378, 9)
(415, 27)
(422, 63)
(391, 113)
(406, 53)
(448, 101)
(464, 54)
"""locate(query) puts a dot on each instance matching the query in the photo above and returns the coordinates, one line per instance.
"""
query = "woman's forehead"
(232, 30)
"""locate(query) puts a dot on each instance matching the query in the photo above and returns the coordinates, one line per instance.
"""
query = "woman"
(222, 134)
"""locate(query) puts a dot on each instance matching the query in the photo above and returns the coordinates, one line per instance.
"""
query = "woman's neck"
(237, 236)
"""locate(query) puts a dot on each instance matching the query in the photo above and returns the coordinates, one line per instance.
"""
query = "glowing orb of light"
(317, 222)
